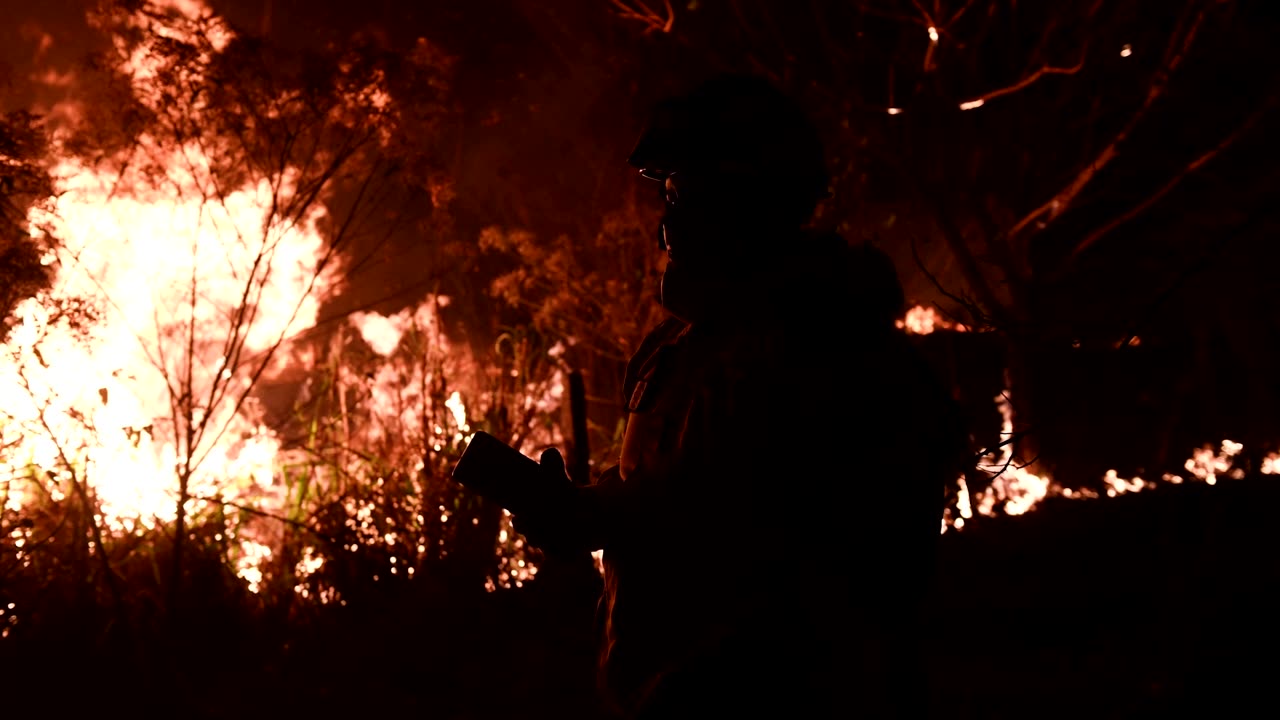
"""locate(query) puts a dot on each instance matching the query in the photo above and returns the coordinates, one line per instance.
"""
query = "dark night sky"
(565, 111)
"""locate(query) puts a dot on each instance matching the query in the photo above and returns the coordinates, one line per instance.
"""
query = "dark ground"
(1157, 604)
(1162, 603)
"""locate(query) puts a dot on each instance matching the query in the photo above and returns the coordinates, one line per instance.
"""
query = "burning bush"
(203, 218)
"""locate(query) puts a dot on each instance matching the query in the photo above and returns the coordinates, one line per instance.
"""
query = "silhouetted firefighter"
(770, 527)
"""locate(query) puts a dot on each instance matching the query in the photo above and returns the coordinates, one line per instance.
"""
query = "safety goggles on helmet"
(678, 188)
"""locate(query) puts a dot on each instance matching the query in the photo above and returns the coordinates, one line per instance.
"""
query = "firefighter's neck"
(728, 297)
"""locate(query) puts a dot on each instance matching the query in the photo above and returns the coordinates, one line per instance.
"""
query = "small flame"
(253, 555)
(1117, 485)
(963, 503)
(459, 411)
(1016, 487)
(1271, 464)
(1207, 465)
(921, 320)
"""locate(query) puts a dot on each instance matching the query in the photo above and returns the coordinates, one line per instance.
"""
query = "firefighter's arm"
(716, 472)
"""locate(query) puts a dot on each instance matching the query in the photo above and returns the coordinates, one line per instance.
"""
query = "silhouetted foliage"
(23, 181)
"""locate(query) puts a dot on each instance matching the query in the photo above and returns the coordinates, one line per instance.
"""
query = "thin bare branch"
(924, 14)
(1025, 82)
(869, 9)
(263, 513)
(645, 14)
(1179, 44)
(975, 314)
(957, 14)
(1198, 265)
(1163, 190)
(266, 357)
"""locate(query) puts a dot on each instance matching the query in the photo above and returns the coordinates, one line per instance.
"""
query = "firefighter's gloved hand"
(555, 527)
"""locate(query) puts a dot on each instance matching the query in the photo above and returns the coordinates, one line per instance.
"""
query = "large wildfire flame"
(166, 276)
(170, 295)
(133, 376)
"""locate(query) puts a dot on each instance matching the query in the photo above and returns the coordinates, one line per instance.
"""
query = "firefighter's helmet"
(737, 129)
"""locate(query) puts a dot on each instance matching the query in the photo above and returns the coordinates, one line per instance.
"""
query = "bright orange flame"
(253, 555)
(1117, 485)
(1207, 465)
(1016, 487)
(162, 267)
(179, 289)
(1271, 464)
(921, 320)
